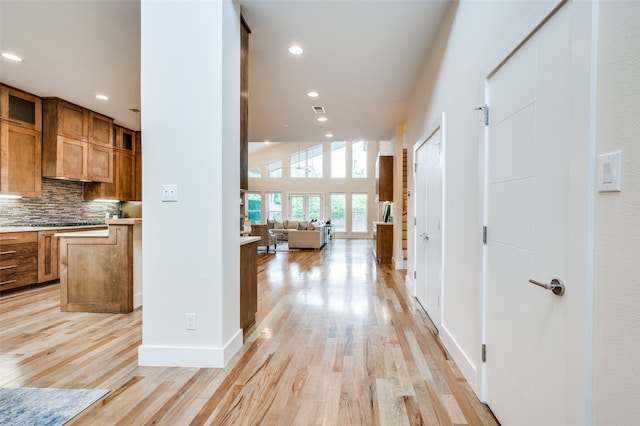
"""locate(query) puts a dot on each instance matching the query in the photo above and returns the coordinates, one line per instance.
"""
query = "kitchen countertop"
(95, 233)
(248, 240)
(4, 229)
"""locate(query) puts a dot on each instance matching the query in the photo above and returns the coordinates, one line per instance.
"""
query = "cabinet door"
(21, 108)
(72, 159)
(73, 121)
(100, 129)
(126, 176)
(100, 163)
(47, 256)
(20, 160)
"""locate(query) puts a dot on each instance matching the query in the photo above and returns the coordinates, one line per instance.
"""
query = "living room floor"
(337, 341)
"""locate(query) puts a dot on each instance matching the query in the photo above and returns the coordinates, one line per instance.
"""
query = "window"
(338, 159)
(305, 206)
(274, 205)
(254, 207)
(338, 208)
(274, 169)
(359, 159)
(359, 212)
(306, 163)
(256, 172)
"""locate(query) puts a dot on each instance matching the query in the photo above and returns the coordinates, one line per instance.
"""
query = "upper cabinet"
(126, 169)
(20, 143)
(384, 178)
(77, 143)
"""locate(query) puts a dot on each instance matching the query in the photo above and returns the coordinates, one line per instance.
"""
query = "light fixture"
(11, 57)
(102, 97)
(329, 135)
(322, 119)
(10, 196)
(296, 50)
(266, 142)
(312, 94)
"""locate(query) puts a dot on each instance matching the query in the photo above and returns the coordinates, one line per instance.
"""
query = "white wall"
(325, 185)
(452, 82)
(616, 339)
(190, 84)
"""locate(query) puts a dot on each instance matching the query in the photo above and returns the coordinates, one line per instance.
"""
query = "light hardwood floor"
(337, 341)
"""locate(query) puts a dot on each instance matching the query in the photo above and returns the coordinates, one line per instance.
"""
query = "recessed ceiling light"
(296, 50)
(12, 57)
(285, 125)
(102, 97)
(322, 119)
(266, 142)
(329, 135)
(312, 94)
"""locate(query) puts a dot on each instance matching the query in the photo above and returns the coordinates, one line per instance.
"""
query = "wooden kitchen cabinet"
(100, 129)
(384, 178)
(382, 242)
(76, 142)
(20, 160)
(248, 285)
(100, 163)
(20, 108)
(47, 256)
(18, 259)
(20, 143)
(123, 185)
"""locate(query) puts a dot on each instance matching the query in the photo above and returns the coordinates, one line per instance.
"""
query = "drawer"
(17, 251)
(17, 238)
(18, 272)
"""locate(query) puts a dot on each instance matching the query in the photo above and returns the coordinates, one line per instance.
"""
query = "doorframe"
(582, 148)
(304, 194)
(437, 126)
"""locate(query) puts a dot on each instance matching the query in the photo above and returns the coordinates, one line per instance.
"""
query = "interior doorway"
(428, 181)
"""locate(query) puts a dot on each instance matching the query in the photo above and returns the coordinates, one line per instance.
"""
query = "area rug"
(44, 406)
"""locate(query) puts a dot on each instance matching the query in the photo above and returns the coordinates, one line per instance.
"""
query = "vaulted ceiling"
(361, 56)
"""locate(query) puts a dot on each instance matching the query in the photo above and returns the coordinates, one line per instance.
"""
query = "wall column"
(190, 90)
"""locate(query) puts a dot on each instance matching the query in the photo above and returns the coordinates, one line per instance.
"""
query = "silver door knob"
(556, 286)
(424, 235)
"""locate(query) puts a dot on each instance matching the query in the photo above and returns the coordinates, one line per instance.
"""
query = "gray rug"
(44, 407)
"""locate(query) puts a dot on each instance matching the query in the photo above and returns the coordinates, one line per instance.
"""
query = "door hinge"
(415, 167)
(485, 112)
(414, 275)
(484, 353)
(484, 235)
(415, 221)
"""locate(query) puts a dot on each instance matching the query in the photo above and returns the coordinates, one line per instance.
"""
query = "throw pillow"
(270, 224)
(302, 226)
(311, 227)
(277, 225)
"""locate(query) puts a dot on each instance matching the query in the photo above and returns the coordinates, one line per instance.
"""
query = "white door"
(527, 213)
(428, 236)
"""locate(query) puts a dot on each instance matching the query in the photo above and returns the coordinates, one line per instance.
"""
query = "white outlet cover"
(169, 193)
(610, 172)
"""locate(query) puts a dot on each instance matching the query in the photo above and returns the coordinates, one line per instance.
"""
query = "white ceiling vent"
(318, 109)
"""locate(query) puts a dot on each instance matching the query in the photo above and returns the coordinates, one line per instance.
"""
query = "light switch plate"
(169, 193)
(610, 172)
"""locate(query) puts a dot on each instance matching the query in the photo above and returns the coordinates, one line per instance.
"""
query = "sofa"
(299, 234)
(306, 239)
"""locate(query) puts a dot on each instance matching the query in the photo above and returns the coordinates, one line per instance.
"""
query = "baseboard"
(188, 356)
(137, 300)
(464, 363)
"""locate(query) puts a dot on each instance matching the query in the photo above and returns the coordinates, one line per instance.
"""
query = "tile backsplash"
(61, 201)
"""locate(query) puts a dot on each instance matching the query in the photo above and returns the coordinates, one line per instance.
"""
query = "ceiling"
(362, 57)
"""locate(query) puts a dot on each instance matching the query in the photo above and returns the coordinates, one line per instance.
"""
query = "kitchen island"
(248, 282)
(100, 270)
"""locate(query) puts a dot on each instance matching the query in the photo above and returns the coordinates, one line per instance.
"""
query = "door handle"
(424, 235)
(556, 286)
